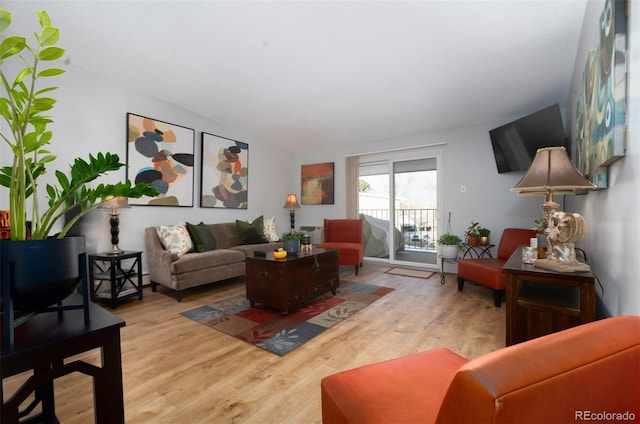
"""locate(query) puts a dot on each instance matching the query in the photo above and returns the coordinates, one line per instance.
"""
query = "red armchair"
(570, 376)
(345, 235)
(488, 271)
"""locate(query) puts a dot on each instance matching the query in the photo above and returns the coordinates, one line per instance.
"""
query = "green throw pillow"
(251, 232)
(201, 237)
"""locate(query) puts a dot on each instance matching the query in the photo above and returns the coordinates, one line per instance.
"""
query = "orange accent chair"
(570, 376)
(488, 271)
(345, 235)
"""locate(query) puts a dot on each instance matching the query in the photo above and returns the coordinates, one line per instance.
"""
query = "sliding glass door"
(398, 199)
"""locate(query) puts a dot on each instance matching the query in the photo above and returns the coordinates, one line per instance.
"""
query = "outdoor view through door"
(398, 200)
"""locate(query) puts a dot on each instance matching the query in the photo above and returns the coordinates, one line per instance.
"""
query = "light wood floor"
(178, 371)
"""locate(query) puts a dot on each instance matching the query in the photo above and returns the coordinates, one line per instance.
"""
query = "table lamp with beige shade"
(551, 171)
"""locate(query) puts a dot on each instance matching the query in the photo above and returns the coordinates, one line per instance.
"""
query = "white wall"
(612, 214)
(90, 116)
(468, 159)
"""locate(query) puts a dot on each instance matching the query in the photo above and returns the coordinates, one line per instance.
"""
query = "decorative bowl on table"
(280, 254)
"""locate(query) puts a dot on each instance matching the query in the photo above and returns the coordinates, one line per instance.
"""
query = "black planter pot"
(39, 273)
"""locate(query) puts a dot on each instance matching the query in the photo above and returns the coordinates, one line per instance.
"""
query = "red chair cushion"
(486, 271)
(349, 253)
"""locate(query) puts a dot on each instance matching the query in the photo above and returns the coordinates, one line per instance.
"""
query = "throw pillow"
(251, 232)
(270, 229)
(175, 238)
(201, 237)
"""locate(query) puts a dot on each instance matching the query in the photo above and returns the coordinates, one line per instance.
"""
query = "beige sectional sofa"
(192, 269)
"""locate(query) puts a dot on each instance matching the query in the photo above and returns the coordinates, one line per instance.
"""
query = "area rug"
(278, 333)
(408, 272)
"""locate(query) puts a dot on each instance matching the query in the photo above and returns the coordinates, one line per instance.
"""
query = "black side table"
(470, 251)
(123, 272)
(45, 346)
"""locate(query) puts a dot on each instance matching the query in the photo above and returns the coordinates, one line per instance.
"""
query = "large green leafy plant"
(23, 106)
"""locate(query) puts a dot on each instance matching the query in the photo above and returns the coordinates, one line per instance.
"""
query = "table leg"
(109, 396)
(587, 302)
(139, 265)
(512, 308)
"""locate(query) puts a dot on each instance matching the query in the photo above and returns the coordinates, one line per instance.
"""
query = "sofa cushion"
(175, 238)
(251, 232)
(201, 237)
(270, 231)
(205, 260)
(249, 249)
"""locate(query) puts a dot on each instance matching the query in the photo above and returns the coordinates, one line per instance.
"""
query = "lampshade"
(292, 202)
(115, 203)
(551, 170)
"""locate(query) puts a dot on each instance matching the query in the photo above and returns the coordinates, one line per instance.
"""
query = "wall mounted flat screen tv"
(515, 144)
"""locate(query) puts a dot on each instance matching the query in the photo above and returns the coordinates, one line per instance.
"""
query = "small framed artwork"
(317, 184)
(161, 154)
(225, 173)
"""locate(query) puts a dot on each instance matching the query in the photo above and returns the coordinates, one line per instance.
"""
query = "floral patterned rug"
(280, 334)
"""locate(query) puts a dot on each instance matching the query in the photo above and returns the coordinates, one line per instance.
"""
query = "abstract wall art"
(161, 154)
(225, 173)
(600, 136)
(317, 184)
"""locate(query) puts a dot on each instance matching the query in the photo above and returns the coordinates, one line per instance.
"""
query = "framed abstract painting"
(225, 173)
(317, 184)
(161, 154)
(601, 107)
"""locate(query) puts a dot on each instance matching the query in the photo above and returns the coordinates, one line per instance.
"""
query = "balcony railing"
(417, 226)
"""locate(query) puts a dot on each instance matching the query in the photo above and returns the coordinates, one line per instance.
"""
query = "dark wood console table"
(541, 301)
(44, 342)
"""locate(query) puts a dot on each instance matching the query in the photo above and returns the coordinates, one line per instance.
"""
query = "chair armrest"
(158, 259)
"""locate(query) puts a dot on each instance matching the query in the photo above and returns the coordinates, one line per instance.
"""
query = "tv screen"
(515, 144)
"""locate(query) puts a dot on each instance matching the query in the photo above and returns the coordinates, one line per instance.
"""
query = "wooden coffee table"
(289, 283)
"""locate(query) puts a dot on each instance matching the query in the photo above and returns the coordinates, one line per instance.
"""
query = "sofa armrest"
(159, 260)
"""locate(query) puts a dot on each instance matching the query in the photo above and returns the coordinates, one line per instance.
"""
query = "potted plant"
(472, 233)
(292, 242)
(24, 105)
(483, 236)
(450, 245)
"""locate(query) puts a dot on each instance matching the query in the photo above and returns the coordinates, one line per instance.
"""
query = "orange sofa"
(581, 374)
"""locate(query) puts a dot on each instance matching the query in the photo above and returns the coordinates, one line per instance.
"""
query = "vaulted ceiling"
(309, 74)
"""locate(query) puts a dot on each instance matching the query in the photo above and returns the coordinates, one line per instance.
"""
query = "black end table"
(123, 272)
(44, 345)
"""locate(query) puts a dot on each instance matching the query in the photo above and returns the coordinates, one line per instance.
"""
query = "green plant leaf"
(5, 19)
(50, 36)
(51, 53)
(43, 19)
(51, 72)
(11, 46)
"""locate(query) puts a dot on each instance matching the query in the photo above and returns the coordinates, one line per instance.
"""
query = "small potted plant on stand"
(450, 245)
(472, 233)
(483, 236)
(39, 280)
